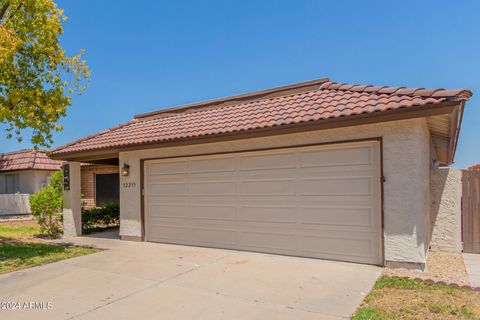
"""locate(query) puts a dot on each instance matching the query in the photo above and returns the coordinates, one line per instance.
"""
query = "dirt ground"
(19, 223)
(441, 266)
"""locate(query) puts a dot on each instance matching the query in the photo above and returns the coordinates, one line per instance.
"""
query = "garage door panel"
(181, 199)
(214, 236)
(169, 189)
(215, 212)
(168, 168)
(336, 157)
(338, 186)
(165, 210)
(318, 201)
(272, 214)
(165, 232)
(267, 162)
(338, 216)
(213, 188)
(337, 172)
(183, 222)
(272, 187)
(338, 245)
(282, 242)
(212, 166)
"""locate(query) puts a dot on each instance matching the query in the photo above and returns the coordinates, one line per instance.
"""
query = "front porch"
(88, 184)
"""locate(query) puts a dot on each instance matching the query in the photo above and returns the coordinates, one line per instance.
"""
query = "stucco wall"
(446, 207)
(72, 212)
(30, 181)
(406, 159)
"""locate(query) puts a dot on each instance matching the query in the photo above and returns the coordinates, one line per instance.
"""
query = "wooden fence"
(471, 211)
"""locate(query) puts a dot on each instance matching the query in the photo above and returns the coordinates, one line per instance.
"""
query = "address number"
(129, 184)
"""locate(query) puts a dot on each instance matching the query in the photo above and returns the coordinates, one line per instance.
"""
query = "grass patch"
(369, 313)
(394, 298)
(20, 248)
(22, 256)
(18, 232)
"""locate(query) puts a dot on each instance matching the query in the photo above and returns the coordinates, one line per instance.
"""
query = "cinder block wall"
(446, 209)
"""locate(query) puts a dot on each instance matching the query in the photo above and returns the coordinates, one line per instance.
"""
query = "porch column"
(72, 208)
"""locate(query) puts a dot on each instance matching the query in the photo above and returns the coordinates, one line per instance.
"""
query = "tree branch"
(4, 10)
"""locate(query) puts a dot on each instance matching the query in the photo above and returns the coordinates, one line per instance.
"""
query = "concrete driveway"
(157, 281)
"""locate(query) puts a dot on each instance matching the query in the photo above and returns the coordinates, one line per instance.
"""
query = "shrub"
(100, 218)
(46, 205)
(56, 182)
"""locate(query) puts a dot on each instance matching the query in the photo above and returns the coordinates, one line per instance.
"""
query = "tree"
(37, 78)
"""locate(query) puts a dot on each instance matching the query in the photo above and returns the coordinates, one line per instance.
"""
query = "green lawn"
(18, 232)
(19, 249)
(393, 298)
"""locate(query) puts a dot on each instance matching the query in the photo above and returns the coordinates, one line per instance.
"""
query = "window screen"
(12, 183)
(107, 188)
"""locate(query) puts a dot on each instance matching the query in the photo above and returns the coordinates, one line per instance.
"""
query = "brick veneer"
(88, 182)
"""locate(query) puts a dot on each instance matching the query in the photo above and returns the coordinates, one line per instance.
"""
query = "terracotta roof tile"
(28, 160)
(474, 167)
(329, 100)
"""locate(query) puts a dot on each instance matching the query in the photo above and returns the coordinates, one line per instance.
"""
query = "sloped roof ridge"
(17, 151)
(456, 94)
(238, 99)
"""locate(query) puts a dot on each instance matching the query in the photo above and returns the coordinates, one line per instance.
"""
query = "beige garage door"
(316, 201)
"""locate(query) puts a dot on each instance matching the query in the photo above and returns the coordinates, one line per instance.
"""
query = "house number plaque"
(129, 184)
(66, 176)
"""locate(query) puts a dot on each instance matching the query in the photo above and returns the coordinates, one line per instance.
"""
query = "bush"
(100, 218)
(46, 205)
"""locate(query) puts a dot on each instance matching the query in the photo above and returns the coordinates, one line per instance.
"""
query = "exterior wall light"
(125, 170)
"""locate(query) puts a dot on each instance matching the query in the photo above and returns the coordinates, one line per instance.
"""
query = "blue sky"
(148, 55)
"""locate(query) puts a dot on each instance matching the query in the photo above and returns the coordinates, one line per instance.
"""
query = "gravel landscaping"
(441, 266)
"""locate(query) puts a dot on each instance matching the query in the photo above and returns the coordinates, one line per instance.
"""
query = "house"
(315, 169)
(26, 171)
(22, 173)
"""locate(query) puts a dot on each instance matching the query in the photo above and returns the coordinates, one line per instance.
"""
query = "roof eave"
(366, 118)
(457, 125)
(27, 169)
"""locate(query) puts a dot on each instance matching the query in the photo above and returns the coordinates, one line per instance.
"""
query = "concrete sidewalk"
(152, 281)
(472, 264)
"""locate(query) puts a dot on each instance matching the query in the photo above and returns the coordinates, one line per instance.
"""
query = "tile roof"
(29, 159)
(474, 167)
(327, 100)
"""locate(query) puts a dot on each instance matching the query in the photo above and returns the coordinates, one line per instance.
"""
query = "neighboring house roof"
(28, 159)
(474, 167)
(315, 102)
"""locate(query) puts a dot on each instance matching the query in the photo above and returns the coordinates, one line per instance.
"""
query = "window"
(107, 188)
(12, 183)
